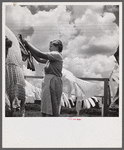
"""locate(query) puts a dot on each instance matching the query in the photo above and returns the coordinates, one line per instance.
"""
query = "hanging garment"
(26, 55)
(15, 84)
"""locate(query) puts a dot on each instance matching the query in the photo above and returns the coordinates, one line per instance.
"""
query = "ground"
(33, 110)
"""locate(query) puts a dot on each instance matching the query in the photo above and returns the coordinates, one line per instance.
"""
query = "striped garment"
(15, 85)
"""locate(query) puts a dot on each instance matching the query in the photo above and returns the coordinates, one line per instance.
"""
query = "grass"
(33, 110)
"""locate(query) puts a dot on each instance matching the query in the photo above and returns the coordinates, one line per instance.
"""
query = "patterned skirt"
(15, 83)
(51, 95)
(56, 93)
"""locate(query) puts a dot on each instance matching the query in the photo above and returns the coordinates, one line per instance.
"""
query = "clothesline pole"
(105, 101)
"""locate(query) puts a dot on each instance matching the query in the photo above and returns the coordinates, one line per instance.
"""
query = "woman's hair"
(58, 43)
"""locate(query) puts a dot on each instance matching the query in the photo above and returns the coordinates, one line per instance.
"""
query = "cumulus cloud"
(97, 34)
(89, 34)
(50, 25)
(78, 11)
(99, 66)
(111, 8)
(18, 18)
(35, 8)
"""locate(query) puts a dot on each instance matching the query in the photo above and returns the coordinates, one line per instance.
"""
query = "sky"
(90, 34)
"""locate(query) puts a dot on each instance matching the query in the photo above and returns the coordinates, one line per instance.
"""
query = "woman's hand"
(33, 49)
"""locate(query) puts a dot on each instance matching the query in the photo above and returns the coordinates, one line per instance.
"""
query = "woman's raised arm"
(31, 48)
(39, 59)
(34, 50)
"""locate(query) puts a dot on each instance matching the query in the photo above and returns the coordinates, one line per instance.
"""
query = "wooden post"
(109, 96)
(105, 103)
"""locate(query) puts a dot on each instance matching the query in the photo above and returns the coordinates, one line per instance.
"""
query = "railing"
(106, 97)
(105, 102)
